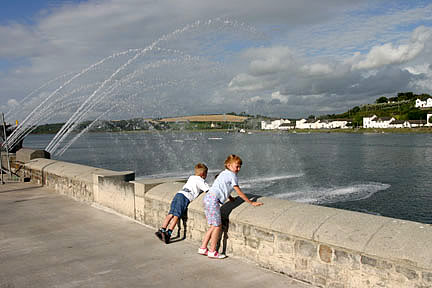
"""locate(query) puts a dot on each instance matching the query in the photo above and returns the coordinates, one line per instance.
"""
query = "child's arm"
(245, 198)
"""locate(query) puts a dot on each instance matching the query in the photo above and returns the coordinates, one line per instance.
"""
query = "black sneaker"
(166, 237)
(159, 234)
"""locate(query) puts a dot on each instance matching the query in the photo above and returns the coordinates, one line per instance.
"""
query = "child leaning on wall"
(220, 191)
(191, 190)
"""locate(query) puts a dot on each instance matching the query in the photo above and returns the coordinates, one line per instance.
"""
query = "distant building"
(306, 124)
(423, 104)
(428, 120)
(276, 124)
(323, 124)
(390, 122)
(287, 126)
(377, 122)
(398, 124)
(415, 123)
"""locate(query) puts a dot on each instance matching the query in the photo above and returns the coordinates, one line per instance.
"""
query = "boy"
(191, 190)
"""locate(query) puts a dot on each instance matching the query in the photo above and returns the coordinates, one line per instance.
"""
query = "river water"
(382, 174)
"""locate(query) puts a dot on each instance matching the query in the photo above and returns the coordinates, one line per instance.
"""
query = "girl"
(220, 191)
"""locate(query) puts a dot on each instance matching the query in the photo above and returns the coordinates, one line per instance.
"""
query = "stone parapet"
(24, 155)
(74, 180)
(323, 246)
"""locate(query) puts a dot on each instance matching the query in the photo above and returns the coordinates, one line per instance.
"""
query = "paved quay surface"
(49, 240)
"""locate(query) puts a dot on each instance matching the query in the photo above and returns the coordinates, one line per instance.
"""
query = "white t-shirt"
(196, 185)
(224, 184)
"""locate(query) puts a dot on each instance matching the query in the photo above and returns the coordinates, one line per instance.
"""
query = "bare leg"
(167, 220)
(173, 222)
(215, 236)
(207, 237)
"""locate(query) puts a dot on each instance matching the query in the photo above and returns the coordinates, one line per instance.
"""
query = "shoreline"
(420, 130)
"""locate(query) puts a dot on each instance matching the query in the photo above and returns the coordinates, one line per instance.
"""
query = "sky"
(146, 58)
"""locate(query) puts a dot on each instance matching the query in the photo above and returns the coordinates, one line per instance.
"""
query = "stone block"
(284, 245)
(253, 243)
(336, 285)
(427, 277)
(264, 235)
(369, 261)
(305, 248)
(407, 272)
(344, 258)
(325, 253)
(301, 264)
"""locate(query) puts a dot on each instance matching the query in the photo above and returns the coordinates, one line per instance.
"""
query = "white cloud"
(425, 82)
(278, 96)
(269, 60)
(13, 103)
(316, 69)
(387, 54)
(246, 82)
(256, 99)
(328, 50)
(418, 69)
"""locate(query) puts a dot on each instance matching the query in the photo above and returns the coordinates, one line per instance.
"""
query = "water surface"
(383, 174)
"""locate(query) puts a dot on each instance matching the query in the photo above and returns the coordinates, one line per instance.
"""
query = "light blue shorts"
(212, 210)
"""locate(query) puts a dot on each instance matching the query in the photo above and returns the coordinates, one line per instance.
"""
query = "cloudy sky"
(163, 58)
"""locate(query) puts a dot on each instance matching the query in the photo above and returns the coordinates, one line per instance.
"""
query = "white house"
(377, 122)
(390, 122)
(322, 124)
(368, 122)
(415, 123)
(428, 120)
(287, 126)
(398, 124)
(423, 104)
(306, 124)
(338, 124)
(273, 125)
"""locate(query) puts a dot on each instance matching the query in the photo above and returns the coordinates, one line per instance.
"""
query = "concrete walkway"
(49, 240)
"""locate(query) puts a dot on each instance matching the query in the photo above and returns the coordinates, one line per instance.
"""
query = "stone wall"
(323, 246)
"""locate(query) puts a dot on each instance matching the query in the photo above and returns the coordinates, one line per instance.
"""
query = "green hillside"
(401, 107)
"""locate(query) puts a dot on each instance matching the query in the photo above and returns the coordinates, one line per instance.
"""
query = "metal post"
(1, 168)
(5, 145)
(1, 162)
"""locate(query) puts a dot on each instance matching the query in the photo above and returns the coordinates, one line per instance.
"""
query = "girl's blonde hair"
(233, 159)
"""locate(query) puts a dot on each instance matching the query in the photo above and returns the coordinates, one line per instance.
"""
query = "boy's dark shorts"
(179, 205)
